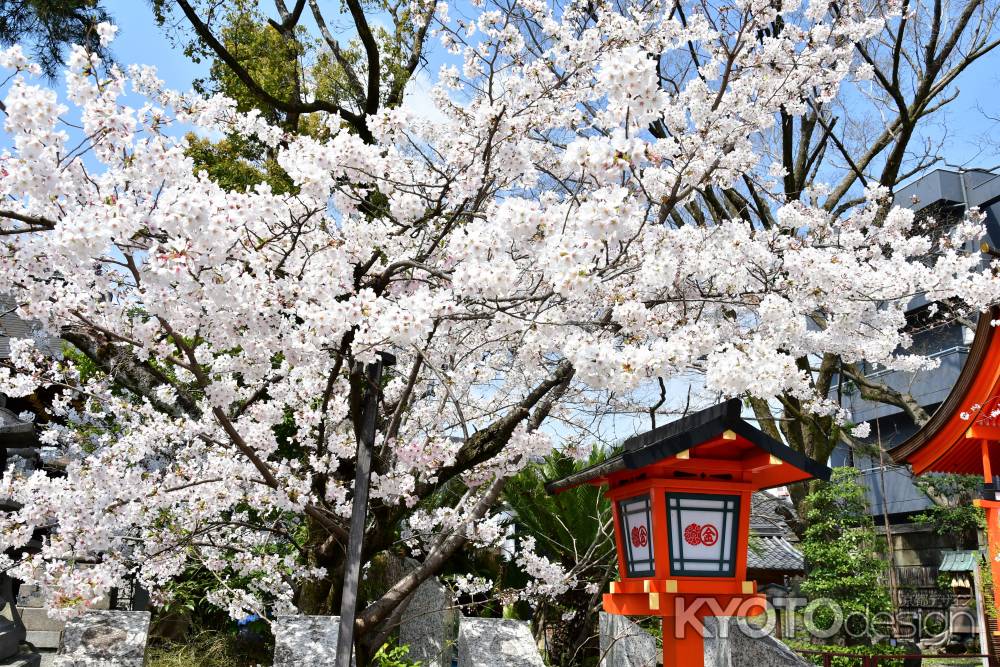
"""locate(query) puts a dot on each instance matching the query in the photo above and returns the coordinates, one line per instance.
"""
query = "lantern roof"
(716, 438)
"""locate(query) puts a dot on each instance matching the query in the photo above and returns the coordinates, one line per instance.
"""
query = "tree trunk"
(319, 596)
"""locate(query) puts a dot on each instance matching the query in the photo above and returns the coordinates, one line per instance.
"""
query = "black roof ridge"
(664, 441)
(727, 410)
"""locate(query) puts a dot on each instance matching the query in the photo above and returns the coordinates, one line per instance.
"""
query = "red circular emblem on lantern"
(639, 536)
(692, 534)
(709, 535)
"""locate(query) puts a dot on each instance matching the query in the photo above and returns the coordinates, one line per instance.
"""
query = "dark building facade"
(942, 195)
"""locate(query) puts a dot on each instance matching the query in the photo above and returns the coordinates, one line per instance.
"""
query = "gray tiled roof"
(771, 541)
(774, 553)
(767, 514)
(12, 326)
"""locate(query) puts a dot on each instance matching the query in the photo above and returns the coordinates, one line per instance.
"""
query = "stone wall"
(118, 639)
(496, 642)
(729, 645)
(625, 644)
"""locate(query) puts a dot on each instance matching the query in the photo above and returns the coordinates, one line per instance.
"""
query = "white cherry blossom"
(526, 258)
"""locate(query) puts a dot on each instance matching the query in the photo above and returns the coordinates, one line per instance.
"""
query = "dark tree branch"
(356, 121)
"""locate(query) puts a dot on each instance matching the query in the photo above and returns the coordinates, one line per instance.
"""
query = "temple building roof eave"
(946, 443)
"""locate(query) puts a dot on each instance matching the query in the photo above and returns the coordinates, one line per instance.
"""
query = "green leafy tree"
(953, 514)
(275, 64)
(50, 26)
(573, 529)
(844, 557)
(236, 164)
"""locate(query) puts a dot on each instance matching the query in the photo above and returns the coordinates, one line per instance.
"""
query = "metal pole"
(359, 511)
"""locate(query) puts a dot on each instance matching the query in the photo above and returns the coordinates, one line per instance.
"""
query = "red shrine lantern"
(681, 500)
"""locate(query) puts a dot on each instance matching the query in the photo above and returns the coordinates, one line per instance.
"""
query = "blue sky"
(964, 124)
(141, 41)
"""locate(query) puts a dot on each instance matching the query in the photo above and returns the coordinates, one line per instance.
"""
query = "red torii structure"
(963, 435)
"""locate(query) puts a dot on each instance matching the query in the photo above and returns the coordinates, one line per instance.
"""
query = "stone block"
(496, 642)
(305, 641)
(30, 596)
(36, 618)
(729, 643)
(44, 638)
(625, 644)
(105, 639)
(429, 625)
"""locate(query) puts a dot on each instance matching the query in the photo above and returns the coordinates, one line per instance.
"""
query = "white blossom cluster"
(525, 231)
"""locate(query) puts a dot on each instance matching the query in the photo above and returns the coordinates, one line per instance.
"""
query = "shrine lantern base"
(682, 610)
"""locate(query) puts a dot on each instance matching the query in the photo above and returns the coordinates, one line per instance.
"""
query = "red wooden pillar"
(661, 541)
(993, 548)
(687, 650)
(991, 466)
(619, 538)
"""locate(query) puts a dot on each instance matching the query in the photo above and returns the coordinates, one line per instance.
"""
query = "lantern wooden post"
(660, 541)
(686, 650)
(681, 497)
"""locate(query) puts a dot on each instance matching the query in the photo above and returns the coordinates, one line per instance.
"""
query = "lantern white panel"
(637, 536)
(703, 533)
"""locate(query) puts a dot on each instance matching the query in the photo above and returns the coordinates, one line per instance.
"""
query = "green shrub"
(849, 661)
(394, 657)
(844, 556)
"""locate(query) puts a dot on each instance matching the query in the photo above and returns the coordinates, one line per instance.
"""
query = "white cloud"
(418, 99)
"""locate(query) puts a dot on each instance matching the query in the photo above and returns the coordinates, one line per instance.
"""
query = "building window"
(637, 536)
(702, 531)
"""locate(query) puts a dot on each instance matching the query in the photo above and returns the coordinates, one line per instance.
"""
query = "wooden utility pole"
(890, 542)
(359, 511)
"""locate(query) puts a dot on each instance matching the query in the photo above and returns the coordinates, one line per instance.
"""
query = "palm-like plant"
(573, 529)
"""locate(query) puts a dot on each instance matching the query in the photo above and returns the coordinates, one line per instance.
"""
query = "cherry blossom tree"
(525, 257)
